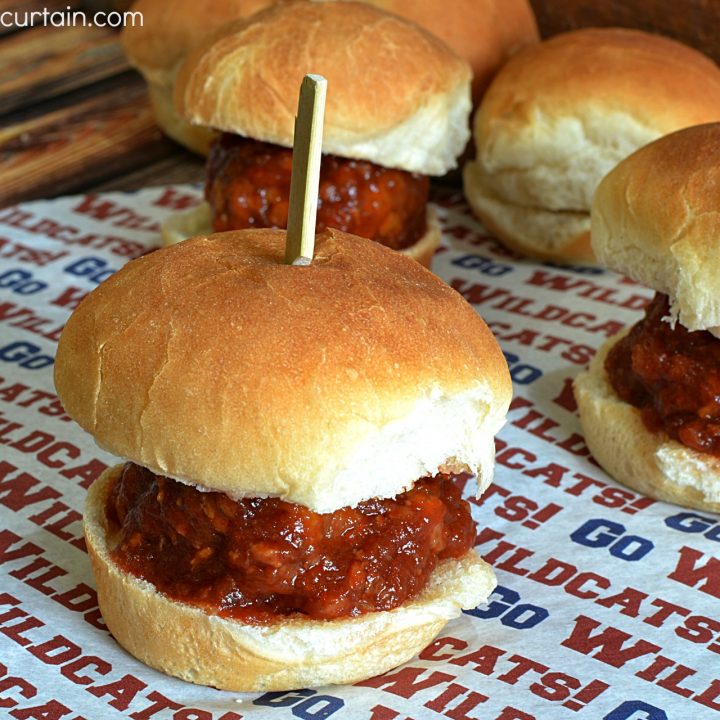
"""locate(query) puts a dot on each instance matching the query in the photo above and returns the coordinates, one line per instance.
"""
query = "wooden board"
(70, 148)
(694, 22)
(45, 62)
(73, 118)
(181, 167)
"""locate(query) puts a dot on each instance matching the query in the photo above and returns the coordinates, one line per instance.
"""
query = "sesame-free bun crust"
(397, 95)
(650, 462)
(484, 32)
(186, 224)
(185, 641)
(656, 218)
(170, 30)
(214, 363)
(562, 113)
(198, 221)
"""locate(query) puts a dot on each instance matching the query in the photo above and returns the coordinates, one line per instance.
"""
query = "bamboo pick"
(305, 178)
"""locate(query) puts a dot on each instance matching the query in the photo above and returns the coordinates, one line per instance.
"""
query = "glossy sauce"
(256, 559)
(672, 376)
(248, 185)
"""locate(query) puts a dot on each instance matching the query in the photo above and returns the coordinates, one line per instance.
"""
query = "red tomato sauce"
(672, 375)
(256, 559)
(248, 185)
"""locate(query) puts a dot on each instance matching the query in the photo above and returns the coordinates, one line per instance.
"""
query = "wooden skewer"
(305, 178)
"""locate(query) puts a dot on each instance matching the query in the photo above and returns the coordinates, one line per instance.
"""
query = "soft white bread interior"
(186, 224)
(561, 114)
(185, 641)
(397, 95)
(198, 221)
(194, 137)
(656, 218)
(213, 362)
(650, 462)
(544, 234)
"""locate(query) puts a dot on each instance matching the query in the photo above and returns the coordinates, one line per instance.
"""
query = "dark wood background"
(695, 22)
(74, 116)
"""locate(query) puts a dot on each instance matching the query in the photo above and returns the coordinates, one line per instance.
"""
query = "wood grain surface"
(73, 118)
(694, 22)
(181, 166)
(65, 150)
(73, 115)
(45, 62)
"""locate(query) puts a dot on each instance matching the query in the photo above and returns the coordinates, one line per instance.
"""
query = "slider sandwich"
(287, 513)
(484, 32)
(650, 401)
(561, 114)
(397, 111)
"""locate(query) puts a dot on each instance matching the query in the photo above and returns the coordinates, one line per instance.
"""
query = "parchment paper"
(607, 605)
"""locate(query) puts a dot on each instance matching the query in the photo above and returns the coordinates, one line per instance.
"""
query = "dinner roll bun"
(185, 641)
(214, 363)
(157, 48)
(650, 462)
(560, 114)
(484, 32)
(656, 218)
(397, 96)
(170, 30)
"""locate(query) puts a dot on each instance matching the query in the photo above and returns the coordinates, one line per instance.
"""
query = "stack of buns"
(559, 115)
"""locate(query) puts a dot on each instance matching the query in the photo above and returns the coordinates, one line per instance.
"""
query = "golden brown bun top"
(656, 218)
(561, 114)
(397, 95)
(662, 83)
(484, 32)
(213, 362)
(172, 28)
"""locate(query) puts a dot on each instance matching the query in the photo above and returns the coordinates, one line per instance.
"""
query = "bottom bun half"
(198, 221)
(561, 236)
(650, 462)
(194, 137)
(184, 641)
